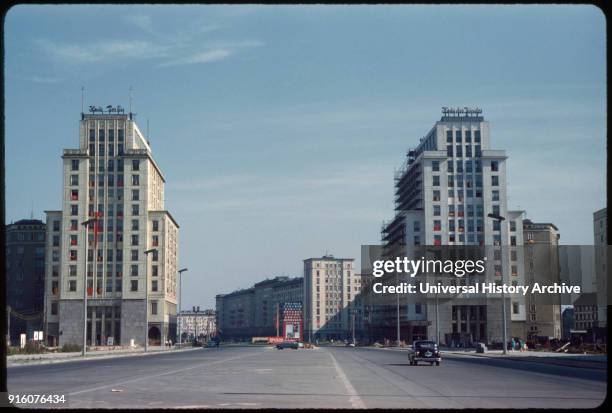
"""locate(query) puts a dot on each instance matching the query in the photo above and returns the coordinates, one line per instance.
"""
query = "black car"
(424, 350)
(288, 344)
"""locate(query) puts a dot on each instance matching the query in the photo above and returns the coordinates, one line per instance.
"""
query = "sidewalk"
(49, 358)
(591, 361)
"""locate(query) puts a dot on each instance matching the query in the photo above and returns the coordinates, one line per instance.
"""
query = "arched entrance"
(154, 336)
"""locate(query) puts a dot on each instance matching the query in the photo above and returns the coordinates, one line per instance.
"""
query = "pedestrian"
(521, 345)
(512, 344)
(525, 346)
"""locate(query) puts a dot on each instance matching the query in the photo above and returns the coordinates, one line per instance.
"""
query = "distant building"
(600, 224)
(541, 255)
(568, 322)
(196, 323)
(256, 311)
(585, 312)
(25, 273)
(330, 288)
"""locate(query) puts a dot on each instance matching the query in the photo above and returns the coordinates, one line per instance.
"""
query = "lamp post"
(499, 219)
(398, 309)
(178, 318)
(146, 342)
(86, 225)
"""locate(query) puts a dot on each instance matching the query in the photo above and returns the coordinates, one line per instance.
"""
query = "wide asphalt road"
(327, 377)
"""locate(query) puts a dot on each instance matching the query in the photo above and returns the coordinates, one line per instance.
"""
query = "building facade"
(25, 274)
(330, 288)
(128, 249)
(444, 191)
(197, 323)
(600, 232)
(256, 311)
(541, 252)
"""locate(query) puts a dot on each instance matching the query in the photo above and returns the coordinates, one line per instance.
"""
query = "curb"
(41, 361)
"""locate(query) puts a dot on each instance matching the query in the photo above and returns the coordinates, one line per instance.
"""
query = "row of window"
(102, 135)
(459, 134)
(458, 180)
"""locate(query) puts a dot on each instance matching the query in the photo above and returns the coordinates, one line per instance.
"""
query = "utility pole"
(277, 318)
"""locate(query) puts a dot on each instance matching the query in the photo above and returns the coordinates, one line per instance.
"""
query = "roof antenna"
(130, 99)
(148, 141)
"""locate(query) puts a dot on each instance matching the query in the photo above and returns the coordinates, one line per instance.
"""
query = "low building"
(196, 323)
(585, 312)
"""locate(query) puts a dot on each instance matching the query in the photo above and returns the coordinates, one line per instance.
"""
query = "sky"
(278, 128)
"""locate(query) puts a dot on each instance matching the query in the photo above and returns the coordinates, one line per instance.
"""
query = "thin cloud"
(199, 57)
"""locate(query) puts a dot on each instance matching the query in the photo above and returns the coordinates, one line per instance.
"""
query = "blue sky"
(279, 127)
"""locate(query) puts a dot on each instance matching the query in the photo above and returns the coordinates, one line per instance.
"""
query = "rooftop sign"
(109, 109)
(461, 112)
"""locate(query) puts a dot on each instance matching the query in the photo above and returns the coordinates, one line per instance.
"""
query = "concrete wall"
(71, 322)
(132, 322)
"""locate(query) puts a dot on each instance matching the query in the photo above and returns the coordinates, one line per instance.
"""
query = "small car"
(212, 343)
(288, 344)
(424, 350)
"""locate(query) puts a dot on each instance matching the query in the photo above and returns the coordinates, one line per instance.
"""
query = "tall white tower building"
(444, 191)
(113, 177)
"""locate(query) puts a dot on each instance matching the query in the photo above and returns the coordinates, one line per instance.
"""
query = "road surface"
(327, 377)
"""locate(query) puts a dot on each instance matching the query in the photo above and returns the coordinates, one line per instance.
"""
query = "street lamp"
(499, 218)
(86, 225)
(178, 318)
(147, 252)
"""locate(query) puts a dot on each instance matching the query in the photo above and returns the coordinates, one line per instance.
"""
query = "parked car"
(424, 350)
(212, 343)
(349, 344)
(300, 344)
(288, 344)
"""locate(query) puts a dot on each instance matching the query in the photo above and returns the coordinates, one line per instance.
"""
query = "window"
(134, 270)
(458, 136)
(417, 308)
(512, 226)
(101, 135)
(494, 166)
(155, 241)
(515, 308)
(449, 136)
(477, 136)
(436, 195)
(435, 166)
(494, 180)
(135, 225)
(73, 240)
(436, 210)
(416, 226)
(437, 225)
(155, 225)
(154, 270)
(74, 225)
(437, 240)
(135, 164)
(53, 308)
(73, 255)
(154, 285)
(75, 165)
(459, 166)
(135, 210)
(135, 180)
(74, 179)
(56, 241)
(468, 136)
(72, 285)
(134, 239)
(92, 135)
(135, 195)
(134, 255)
(134, 285)
(436, 180)
(495, 195)
(458, 150)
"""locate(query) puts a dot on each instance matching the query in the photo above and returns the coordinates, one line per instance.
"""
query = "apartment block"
(600, 233)
(541, 252)
(25, 274)
(444, 191)
(112, 215)
(256, 311)
(330, 288)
